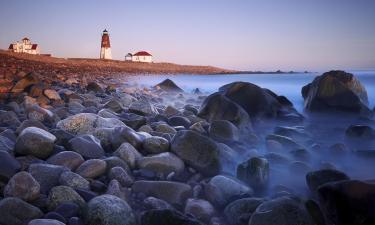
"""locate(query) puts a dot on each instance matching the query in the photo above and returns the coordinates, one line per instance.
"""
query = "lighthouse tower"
(105, 51)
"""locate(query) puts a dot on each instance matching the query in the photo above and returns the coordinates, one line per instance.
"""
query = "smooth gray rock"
(73, 180)
(69, 159)
(87, 146)
(163, 163)
(154, 145)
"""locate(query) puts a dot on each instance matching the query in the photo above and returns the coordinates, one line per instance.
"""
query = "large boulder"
(281, 211)
(169, 86)
(175, 193)
(143, 107)
(46, 175)
(197, 151)
(348, 202)
(336, 90)
(223, 130)
(35, 141)
(14, 211)
(64, 194)
(86, 123)
(109, 209)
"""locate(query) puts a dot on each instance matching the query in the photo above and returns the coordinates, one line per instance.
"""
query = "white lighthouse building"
(105, 51)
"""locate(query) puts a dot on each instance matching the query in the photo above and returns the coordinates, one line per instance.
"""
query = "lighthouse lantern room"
(105, 51)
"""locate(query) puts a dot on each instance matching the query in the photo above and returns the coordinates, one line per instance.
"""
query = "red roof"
(34, 46)
(10, 47)
(142, 53)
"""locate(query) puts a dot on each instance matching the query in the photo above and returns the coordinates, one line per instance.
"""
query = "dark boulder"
(14, 211)
(336, 90)
(317, 178)
(254, 172)
(169, 86)
(95, 87)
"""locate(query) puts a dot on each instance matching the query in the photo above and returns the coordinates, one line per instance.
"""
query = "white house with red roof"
(25, 46)
(141, 56)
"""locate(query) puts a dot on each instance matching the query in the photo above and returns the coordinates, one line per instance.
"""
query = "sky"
(267, 35)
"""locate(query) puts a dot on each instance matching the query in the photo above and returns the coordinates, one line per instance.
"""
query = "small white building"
(129, 57)
(142, 56)
(25, 46)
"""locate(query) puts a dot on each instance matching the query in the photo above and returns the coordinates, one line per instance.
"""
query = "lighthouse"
(105, 51)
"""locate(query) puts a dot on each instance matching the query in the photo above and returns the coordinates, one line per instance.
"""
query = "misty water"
(327, 132)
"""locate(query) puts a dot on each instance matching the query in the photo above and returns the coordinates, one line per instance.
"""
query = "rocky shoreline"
(96, 151)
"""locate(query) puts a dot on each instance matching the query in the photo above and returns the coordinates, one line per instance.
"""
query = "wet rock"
(223, 130)
(64, 194)
(92, 168)
(155, 203)
(166, 217)
(114, 105)
(336, 90)
(35, 141)
(8, 166)
(69, 159)
(30, 123)
(286, 142)
(163, 163)
(22, 185)
(47, 175)
(179, 121)
(154, 145)
(86, 123)
(126, 134)
(197, 151)
(109, 209)
(221, 190)
(45, 222)
(87, 146)
(14, 211)
(200, 209)
(315, 179)
(239, 212)
(348, 202)
(171, 111)
(94, 87)
(254, 172)
(174, 193)
(143, 107)
(121, 175)
(73, 180)
(360, 131)
(219, 107)
(133, 120)
(169, 86)
(128, 153)
(282, 211)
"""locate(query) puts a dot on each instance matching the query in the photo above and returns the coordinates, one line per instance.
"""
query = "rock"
(45, 222)
(122, 176)
(348, 202)
(285, 142)
(166, 217)
(254, 172)
(94, 87)
(198, 127)
(315, 179)
(9, 119)
(171, 111)
(154, 145)
(145, 128)
(299, 168)
(106, 113)
(295, 133)
(73, 180)
(179, 121)
(92, 168)
(200, 209)
(163, 163)
(75, 107)
(336, 90)
(6, 144)
(143, 107)
(239, 212)
(115, 161)
(86, 123)
(69, 159)
(64, 194)
(219, 107)
(35, 141)
(223, 130)
(67, 210)
(128, 153)
(281, 211)
(165, 128)
(115, 188)
(155, 203)
(47, 175)
(52, 94)
(109, 209)
(174, 193)
(133, 120)
(30, 123)
(8, 166)
(22, 185)
(197, 151)
(14, 211)
(126, 134)
(62, 137)
(35, 112)
(75, 221)
(114, 105)
(25, 82)
(360, 131)
(168, 86)
(87, 146)
(55, 216)
(221, 189)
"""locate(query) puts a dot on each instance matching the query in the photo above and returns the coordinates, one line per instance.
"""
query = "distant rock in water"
(169, 85)
(336, 90)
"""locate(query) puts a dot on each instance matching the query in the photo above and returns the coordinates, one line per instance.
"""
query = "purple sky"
(238, 34)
